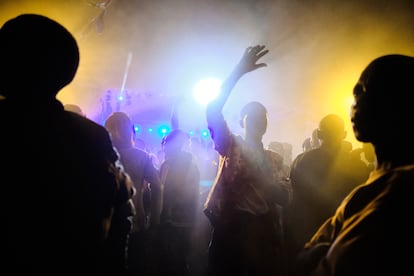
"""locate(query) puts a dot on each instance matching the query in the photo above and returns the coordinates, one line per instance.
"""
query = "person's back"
(139, 166)
(59, 185)
(369, 230)
(320, 179)
(327, 173)
(244, 202)
(180, 176)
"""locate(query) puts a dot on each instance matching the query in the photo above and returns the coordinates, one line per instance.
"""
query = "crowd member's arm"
(215, 119)
(316, 249)
(152, 176)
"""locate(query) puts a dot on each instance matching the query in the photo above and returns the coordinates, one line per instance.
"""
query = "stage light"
(163, 130)
(205, 133)
(206, 90)
(137, 128)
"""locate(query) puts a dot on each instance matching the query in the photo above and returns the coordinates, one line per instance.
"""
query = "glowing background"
(317, 51)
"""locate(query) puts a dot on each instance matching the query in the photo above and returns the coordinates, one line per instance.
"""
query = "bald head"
(331, 129)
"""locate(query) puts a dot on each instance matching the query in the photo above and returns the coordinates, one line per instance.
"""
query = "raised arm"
(215, 120)
(247, 64)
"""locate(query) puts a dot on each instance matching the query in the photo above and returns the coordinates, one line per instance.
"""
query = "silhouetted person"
(371, 233)
(181, 179)
(59, 186)
(307, 144)
(243, 203)
(206, 158)
(132, 217)
(311, 142)
(207, 161)
(315, 140)
(284, 150)
(320, 179)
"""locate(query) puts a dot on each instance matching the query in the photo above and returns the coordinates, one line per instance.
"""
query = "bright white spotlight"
(206, 90)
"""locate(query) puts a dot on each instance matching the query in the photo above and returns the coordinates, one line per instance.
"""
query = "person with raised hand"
(244, 202)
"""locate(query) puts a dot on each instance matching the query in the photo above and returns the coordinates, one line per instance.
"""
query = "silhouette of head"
(174, 141)
(382, 110)
(331, 129)
(38, 57)
(254, 118)
(121, 129)
(307, 144)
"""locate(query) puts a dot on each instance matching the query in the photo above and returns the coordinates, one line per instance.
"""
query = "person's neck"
(394, 157)
(254, 141)
(331, 144)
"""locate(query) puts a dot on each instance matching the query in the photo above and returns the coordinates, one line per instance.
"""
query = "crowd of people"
(84, 198)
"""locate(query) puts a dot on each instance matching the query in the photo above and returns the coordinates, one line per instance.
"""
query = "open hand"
(250, 57)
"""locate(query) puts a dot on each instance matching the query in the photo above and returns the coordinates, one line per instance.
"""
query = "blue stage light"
(205, 133)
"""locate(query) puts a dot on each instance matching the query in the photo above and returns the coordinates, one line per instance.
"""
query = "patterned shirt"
(246, 178)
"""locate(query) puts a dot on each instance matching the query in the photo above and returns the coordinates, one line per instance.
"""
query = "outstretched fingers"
(256, 49)
(251, 55)
(257, 52)
(262, 53)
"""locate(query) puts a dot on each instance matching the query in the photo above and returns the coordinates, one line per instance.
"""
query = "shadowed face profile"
(382, 110)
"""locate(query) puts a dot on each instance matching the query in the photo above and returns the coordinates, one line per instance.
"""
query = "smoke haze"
(317, 51)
